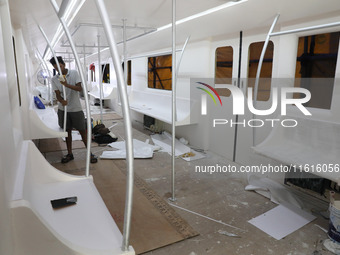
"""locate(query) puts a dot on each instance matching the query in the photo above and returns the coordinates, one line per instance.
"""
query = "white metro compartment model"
(84, 228)
(159, 105)
(312, 145)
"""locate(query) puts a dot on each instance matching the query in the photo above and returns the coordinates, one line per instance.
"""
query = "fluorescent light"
(95, 53)
(69, 10)
(201, 14)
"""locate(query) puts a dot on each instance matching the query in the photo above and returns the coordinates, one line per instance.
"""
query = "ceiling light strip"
(201, 14)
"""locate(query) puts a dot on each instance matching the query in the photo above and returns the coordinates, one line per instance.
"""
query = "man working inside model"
(75, 115)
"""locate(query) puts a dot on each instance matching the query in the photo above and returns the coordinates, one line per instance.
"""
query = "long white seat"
(159, 106)
(312, 145)
(84, 228)
(43, 123)
(109, 92)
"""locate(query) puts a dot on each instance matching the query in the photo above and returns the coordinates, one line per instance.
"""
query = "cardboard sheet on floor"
(282, 220)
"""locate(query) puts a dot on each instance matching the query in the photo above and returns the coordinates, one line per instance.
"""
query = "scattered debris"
(164, 140)
(222, 232)
(332, 246)
(324, 230)
(206, 217)
(275, 191)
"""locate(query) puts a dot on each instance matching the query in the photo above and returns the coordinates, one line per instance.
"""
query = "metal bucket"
(334, 220)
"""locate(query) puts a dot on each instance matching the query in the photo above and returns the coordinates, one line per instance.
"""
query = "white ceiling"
(248, 16)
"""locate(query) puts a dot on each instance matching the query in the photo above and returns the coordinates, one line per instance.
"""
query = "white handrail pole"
(173, 144)
(61, 77)
(100, 82)
(44, 65)
(125, 52)
(84, 56)
(179, 64)
(127, 121)
(88, 114)
(181, 56)
(87, 77)
(305, 29)
(259, 67)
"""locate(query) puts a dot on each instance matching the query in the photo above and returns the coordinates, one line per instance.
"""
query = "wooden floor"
(219, 197)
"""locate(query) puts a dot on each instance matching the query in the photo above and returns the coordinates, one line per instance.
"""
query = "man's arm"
(76, 87)
(60, 98)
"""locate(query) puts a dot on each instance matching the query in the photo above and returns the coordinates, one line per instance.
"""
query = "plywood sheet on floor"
(154, 223)
(57, 144)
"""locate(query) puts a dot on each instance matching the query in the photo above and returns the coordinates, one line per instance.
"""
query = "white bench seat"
(43, 123)
(84, 228)
(312, 144)
(159, 106)
(109, 92)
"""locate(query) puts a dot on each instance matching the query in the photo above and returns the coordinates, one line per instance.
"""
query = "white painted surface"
(7, 155)
(85, 228)
(313, 146)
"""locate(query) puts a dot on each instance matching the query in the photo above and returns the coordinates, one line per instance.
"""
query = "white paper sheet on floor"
(145, 152)
(165, 141)
(196, 156)
(282, 220)
(141, 150)
(276, 192)
(137, 144)
(75, 136)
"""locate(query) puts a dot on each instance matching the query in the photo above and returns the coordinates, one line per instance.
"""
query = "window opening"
(106, 73)
(315, 67)
(255, 50)
(160, 72)
(128, 72)
(223, 68)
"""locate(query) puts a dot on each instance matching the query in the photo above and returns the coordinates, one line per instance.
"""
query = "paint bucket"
(334, 220)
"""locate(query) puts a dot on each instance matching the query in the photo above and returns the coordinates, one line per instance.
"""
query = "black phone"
(62, 202)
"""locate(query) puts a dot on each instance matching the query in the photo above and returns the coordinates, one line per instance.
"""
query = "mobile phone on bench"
(63, 202)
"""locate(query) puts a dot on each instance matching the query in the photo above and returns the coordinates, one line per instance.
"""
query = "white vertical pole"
(127, 121)
(125, 51)
(100, 81)
(88, 114)
(84, 55)
(61, 77)
(44, 65)
(259, 67)
(173, 198)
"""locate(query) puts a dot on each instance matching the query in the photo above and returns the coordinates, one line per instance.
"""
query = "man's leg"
(83, 134)
(69, 142)
(69, 155)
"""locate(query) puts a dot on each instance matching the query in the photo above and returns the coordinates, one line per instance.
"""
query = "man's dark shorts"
(74, 120)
